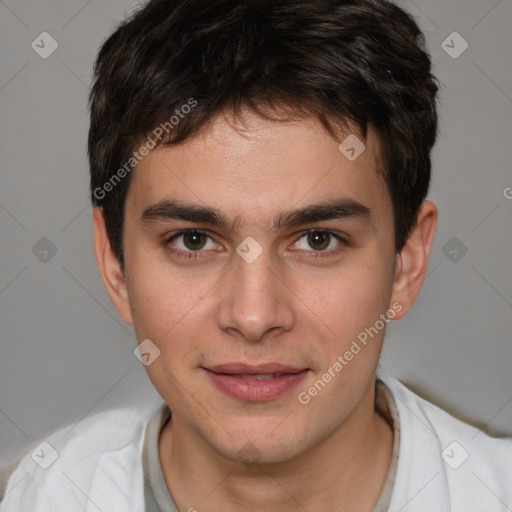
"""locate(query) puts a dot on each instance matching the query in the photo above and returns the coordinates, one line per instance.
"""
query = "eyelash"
(197, 254)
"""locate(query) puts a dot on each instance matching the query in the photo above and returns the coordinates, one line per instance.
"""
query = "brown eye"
(319, 240)
(190, 244)
(194, 240)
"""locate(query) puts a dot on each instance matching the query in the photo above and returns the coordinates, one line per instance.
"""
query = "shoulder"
(97, 460)
(458, 464)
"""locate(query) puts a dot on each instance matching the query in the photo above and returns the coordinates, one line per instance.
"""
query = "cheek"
(170, 313)
(349, 300)
(164, 296)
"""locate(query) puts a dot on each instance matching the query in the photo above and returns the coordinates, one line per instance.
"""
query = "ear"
(412, 261)
(110, 268)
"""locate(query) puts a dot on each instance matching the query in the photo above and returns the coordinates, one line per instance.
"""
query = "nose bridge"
(254, 300)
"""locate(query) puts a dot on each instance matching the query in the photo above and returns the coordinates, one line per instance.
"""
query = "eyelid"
(332, 232)
(184, 232)
(344, 240)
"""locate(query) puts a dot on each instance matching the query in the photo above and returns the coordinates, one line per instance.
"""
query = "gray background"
(64, 352)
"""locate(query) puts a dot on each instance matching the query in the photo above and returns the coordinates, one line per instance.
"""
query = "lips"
(260, 369)
(255, 382)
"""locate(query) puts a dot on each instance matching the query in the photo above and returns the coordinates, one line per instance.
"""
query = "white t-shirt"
(443, 464)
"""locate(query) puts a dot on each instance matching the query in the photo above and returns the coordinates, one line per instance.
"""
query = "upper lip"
(259, 369)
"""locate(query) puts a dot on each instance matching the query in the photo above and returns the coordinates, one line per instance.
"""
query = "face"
(260, 251)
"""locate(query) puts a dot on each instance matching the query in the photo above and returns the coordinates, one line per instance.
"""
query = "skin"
(296, 304)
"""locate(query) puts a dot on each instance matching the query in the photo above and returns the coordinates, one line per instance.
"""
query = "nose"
(255, 300)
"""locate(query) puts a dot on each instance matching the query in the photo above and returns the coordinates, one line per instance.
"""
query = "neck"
(346, 470)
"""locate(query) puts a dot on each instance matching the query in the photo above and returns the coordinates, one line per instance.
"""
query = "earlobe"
(110, 269)
(412, 261)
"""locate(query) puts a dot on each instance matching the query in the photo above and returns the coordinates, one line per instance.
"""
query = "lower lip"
(256, 390)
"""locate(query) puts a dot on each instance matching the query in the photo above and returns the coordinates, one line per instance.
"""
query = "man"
(259, 172)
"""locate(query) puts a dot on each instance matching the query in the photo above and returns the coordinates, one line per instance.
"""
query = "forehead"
(252, 167)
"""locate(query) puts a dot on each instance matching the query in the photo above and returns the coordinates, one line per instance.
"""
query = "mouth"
(259, 377)
(255, 383)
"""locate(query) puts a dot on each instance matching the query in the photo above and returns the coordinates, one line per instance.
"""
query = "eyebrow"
(344, 208)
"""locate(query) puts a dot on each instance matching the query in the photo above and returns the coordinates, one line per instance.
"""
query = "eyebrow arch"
(335, 209)
(331, 210)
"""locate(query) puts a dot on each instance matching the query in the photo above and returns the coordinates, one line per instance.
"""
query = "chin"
(266, 445)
